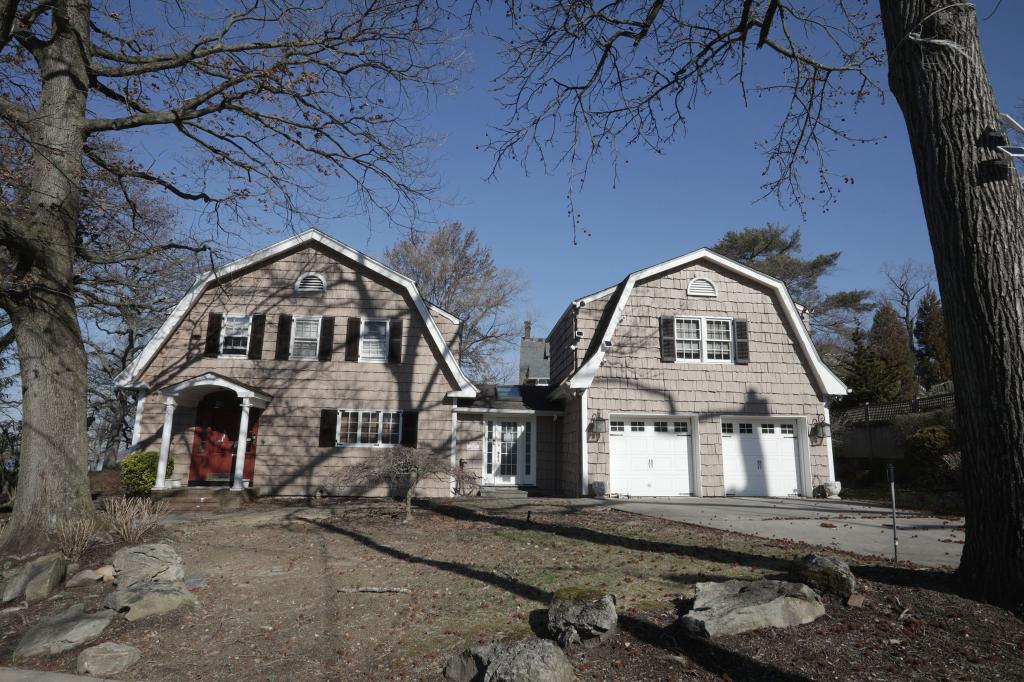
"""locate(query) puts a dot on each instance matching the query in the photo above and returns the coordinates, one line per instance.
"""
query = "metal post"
(890, 472)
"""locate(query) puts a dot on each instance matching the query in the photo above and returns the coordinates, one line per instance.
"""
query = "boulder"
(528, 660)
(106, 573)
(108, 658)
(62, 631)
(825, 574)
(581, 618)
(83, 579)
(142, 600)
(735, 606)
(153, 563)
(36, 580)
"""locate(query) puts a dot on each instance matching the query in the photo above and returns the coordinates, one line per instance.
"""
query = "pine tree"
(933, 365)
(889, 341)
(869, 379)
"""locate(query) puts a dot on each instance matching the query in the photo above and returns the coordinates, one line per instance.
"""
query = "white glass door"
(508, 455)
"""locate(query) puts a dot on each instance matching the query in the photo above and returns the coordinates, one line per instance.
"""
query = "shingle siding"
(288, 459)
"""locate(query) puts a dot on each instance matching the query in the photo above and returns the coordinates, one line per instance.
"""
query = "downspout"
(584, 473)
(454, 454)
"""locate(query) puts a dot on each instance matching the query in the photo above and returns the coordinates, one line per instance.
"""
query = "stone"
(578, 618)
(153, 563)
(825, 574)
(855, 600)
(197, 581)
(108, 658)
(83, 579)
(107, 574)
(142, 600)
(36, 580)
(735, 606)
(62, 631)
(528, 660)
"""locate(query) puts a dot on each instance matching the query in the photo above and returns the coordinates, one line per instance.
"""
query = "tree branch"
(99, 259)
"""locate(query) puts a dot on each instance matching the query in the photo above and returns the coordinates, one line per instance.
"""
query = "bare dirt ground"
(272, 609)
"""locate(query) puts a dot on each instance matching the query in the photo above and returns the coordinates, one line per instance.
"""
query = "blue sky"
(661, 206)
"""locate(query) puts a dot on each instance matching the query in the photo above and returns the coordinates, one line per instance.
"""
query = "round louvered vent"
(701, 287)
(311, 283)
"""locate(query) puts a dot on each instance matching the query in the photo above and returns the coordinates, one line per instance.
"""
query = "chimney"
(527, 328)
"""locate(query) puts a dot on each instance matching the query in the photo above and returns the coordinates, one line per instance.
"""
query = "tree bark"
(53, 484)
(974, 210)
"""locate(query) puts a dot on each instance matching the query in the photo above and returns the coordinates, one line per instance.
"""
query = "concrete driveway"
(857, 528)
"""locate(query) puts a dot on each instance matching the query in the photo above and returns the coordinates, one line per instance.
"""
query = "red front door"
(216, 439)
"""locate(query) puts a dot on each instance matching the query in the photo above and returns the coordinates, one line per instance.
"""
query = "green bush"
(138, 471)
(930, 455)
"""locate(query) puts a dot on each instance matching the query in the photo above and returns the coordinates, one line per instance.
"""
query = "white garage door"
(760, 457)
(649, 456)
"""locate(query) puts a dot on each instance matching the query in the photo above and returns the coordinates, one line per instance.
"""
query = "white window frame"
(248, 336)
(703, 341)
(291, 342)
(387, 338)
(619, 423)
(359, 412)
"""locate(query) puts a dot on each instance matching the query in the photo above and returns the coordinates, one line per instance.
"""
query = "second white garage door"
(649, 456)
(760, 457)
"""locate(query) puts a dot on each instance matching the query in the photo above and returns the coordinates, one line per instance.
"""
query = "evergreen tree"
(889, 342)
(869, 379)
(933, 365)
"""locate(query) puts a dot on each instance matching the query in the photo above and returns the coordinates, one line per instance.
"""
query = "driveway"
(858, 528)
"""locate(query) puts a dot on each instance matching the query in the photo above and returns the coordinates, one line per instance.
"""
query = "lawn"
(272, 609)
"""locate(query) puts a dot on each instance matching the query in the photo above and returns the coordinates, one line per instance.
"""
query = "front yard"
(272, 608)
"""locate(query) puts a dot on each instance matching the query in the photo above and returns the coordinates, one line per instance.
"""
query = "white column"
(243, 441)
(140, 405)
(165, 443)
(584, 446)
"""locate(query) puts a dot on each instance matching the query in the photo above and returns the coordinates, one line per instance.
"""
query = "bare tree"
(403, 469)
(907, 281)
(267, 101)
(454, 270)
(584, 77)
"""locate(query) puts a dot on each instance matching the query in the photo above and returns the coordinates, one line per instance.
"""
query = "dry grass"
(74, 537)
(131, 518)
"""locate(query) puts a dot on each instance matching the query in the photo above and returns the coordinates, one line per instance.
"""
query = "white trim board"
(129, 377)
(829, 383)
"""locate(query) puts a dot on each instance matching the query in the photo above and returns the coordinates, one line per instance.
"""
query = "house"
(692, 377)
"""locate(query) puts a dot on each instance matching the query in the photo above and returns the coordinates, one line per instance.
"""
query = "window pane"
(527, 464)
(767, 428)
(636, 426)
(347, 432)
(681, 427)
(235, 335)
(726, 427)
(618, 427)
(368, 427)
(746, 428)
(390, 428)
(661, 427)
(688, 339)
(719, 339)
(374, 340)
(490, 447)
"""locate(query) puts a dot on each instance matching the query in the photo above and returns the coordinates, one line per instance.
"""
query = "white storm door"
(509, 458)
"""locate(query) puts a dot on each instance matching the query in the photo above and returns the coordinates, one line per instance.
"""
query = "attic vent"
(701, 287)
(311, 283)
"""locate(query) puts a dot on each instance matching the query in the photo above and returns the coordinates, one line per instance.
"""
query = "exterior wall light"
(598, 424)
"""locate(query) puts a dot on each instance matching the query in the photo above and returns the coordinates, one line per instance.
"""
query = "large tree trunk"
(52, 481)
(974, 210)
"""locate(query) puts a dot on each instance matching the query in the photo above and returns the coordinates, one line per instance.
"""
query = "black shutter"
(213, 325)
(395, 341)
(328, 428)
(326, 339)
(739, 330)
(259, 323)
(668, 339)
(284, 337)
(352, 340)
(410, 426)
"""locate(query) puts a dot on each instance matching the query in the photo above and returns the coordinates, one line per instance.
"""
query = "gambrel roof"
(584, 376)
(130, 376)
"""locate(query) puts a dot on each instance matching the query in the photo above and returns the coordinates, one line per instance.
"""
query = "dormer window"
(700, 286)
(311, 283)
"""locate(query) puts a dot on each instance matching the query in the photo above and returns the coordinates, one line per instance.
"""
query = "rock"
(83, 579)
(154, 563)
(142, 600)
(855, 600)
(578, 618)
(196, 582)
(735, 606)
(106, 573)
(35, 580)
(62, 631)
(825, 574)
(528, 660)
(107, 659)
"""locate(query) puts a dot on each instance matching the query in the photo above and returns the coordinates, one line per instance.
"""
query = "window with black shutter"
(328, 428)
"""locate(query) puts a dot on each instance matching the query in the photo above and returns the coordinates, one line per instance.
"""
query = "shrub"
(131, 518)
(74, 537)
(138, 471)
(932, 454)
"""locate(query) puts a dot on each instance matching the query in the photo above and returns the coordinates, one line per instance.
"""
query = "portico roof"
(195, 388)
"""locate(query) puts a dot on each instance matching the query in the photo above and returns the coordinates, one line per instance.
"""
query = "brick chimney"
(527, 328)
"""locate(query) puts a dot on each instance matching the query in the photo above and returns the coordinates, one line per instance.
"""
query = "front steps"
(506, 492)
(203, 498)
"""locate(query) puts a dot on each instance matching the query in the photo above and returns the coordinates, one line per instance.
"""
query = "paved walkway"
(19, 675)
(859, 528)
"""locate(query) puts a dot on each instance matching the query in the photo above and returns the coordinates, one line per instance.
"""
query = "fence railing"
(889, 411)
